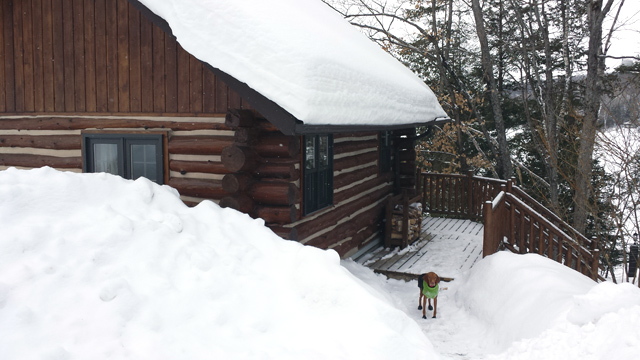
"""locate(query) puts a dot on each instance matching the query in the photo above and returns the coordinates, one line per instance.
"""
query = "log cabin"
(136, 88)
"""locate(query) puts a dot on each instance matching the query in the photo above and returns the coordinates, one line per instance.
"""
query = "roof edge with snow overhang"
(284, 120)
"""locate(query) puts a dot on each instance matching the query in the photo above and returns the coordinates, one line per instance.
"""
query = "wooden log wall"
(88, 56)
(74, 66)
(193, 145)
(360, 191)
(263, 172)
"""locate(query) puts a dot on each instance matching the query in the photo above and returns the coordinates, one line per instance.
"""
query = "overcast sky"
(626, 39)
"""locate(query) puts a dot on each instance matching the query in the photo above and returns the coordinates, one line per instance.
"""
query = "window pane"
(310, 153)
(105, 158)
(323, 151)
(143, 161)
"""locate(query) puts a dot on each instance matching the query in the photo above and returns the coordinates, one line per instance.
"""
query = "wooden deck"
(446, 246)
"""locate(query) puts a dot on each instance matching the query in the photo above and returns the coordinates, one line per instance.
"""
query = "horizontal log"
(330, 218)
(54, 123)
(199, 145)
(240, 202)
(57, 142)
(350, 177)
(278, 171)
(358, 189)
(369, 218)
(274, 193)
(203, 188)
(209, 167)
(351, 146)
(238, 158)
(234, 183)
(244, 135)
(276, 214)
(353, 161)
(285, 233)
(36, 161)
(354, 134)
(239, 117)
(278, 145)
(357, 241)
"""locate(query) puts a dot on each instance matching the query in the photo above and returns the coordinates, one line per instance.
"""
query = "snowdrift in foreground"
(93, 266)
(536, 308)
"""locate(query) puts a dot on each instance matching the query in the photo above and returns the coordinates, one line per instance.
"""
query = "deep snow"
(93, 266)
(303, 56)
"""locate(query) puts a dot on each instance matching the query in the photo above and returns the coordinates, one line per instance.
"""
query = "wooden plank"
(146, 64)
(209, 91)
(183, 79)
(18, 56)
(221, 96)
(134, 60)
(124, 100)
(171, 71)
(195, 85)
(58, 55)
(3, 86)
(69, 65)
(90, 56)
(38, 52)
(78, 55)
(112, 55)
(47, 56)
(27, 56)
(159, 87)
(100, 46)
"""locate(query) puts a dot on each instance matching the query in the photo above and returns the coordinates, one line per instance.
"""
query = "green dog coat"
(429, 292)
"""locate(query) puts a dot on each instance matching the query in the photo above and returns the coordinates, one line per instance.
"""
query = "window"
(128, 155)
(385, 151)
(318, 172)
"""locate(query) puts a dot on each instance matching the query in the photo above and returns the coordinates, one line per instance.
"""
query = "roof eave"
(301, 129)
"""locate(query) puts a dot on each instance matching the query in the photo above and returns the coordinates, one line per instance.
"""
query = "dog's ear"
(437, 279)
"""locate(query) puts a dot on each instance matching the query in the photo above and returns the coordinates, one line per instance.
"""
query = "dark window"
(318, 172)
(385, 151)
(128, 155)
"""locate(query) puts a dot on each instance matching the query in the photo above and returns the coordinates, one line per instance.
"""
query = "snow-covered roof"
(304, 57)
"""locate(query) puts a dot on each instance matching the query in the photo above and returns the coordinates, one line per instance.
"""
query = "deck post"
(470, 211)
(488, 235)
(595, 265)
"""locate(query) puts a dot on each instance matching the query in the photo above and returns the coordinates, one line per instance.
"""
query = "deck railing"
(512, 219)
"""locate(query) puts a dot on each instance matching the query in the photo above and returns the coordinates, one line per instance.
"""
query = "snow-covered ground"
(93, 266)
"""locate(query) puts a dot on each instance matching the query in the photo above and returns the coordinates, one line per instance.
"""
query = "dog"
(429, 288)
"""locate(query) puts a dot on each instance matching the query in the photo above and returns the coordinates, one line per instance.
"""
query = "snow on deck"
(446, 246)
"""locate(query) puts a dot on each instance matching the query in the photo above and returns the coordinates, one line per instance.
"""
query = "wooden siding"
(99, 56)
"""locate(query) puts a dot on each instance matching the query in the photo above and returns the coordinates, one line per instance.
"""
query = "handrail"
(512, 219)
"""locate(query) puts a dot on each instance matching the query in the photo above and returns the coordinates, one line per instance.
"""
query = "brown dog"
(429, 289)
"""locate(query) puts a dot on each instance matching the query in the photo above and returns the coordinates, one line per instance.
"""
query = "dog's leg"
(420, 300)
(430, 307)
(424, 305)
(435, 306)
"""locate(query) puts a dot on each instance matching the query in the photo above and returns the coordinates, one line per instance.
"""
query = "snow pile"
(536, 308)
(93, 266)
(303, 56)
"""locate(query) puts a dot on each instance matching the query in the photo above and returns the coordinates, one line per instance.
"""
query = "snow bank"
(93, 266)
(536, 308)
(303, 56)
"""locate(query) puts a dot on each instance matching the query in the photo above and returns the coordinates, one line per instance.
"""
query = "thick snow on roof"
(304, 57)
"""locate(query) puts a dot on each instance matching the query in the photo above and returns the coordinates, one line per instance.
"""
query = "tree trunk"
(504, 160)
(593, 91)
